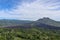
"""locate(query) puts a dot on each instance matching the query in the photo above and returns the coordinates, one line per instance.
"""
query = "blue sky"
(29, 9)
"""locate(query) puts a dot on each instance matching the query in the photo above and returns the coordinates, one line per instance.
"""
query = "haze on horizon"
(29, 9)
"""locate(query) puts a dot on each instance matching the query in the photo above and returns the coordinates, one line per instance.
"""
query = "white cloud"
(33, 11)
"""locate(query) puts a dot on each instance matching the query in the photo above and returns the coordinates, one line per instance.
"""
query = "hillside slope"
(48, 21)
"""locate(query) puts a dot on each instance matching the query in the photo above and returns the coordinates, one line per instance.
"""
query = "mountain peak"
(45, 19)
(49, 21)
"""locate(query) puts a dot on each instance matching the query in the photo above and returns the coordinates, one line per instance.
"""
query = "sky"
(29, 9)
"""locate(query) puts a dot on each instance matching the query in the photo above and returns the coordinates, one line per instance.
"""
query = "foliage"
(29, 34)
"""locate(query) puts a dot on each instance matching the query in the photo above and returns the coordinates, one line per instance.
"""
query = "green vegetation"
(42, 29)
(29, 34)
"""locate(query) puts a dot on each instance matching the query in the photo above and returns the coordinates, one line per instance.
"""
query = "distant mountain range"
(7, 22)
(43, 22)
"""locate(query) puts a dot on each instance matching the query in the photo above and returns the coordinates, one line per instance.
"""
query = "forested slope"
(29, 34)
